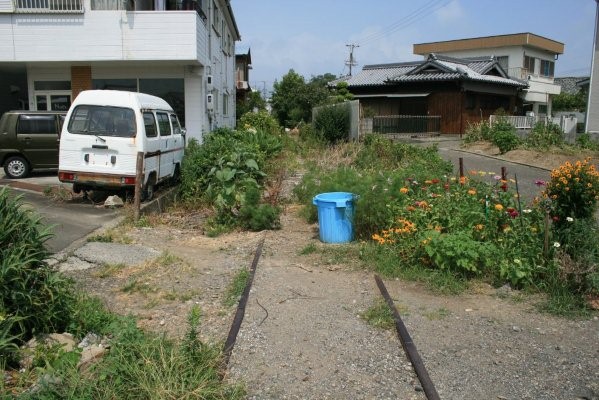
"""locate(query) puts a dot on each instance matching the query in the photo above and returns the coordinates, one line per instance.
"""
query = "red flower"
(435, 180)
(555, 218)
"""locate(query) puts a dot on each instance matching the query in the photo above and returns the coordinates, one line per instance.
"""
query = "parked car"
(29, 140)
(105, 130)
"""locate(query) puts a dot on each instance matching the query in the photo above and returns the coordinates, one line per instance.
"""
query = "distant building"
(522, 55)
(180, 50)
(458, 91)
(243, 65)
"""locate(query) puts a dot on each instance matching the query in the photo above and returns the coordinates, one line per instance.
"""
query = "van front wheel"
(16, 167)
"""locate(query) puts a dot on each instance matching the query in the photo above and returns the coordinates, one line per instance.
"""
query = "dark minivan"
(29, 140)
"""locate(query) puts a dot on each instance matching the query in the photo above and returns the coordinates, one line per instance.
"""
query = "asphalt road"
(71, 220)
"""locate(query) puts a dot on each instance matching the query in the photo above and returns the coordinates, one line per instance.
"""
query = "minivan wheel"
(147, 193)
(16, 167)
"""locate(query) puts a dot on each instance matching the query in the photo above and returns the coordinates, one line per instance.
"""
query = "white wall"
(102, 36)
(6, 6)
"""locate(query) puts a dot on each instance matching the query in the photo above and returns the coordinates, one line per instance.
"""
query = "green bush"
(34, 298)
(585, 141)
(260, 121)
(477, 132)
(255, 216)
(224, 168)
(332, 122)
(544, 135)
(503, 135)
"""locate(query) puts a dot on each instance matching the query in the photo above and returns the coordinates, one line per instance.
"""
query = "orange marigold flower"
(472, 191)
(463, 180)
(404, 190)
(498, 207)
(410, 208)
(479, 227)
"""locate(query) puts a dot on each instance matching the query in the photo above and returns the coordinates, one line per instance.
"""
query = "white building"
(523, 56)
(180, 50)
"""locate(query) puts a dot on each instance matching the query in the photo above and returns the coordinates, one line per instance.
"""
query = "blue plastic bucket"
(335, 216)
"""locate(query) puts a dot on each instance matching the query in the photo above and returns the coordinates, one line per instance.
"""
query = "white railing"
(48, 6)
(528, 122)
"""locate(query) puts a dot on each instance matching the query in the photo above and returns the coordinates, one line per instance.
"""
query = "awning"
(392, 95)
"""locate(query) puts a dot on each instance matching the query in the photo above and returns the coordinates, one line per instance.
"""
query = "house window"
(215, 17)
(225, 104)
(547, 68)
(529, 64)
(503, 61)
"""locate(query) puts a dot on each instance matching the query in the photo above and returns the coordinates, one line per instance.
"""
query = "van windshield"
(103, 121)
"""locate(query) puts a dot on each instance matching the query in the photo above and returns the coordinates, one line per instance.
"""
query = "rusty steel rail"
(408, 345)
(239, 314)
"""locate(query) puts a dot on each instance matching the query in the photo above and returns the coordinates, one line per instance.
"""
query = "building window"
(128, 85)
(225, 104)
(529, 64)
(215, 18)
(547, 68)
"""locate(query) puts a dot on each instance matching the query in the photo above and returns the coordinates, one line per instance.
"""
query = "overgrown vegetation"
(332, 122)
(417, 221)
(227, 172)
(35, 299)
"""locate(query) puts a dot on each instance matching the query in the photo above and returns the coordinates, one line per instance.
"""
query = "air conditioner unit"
(209, 84)
(210, 102)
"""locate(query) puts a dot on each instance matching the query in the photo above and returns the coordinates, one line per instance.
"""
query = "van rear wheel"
(147, 193)
(16, 167)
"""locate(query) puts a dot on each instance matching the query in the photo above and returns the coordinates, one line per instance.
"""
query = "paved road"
(72, 220)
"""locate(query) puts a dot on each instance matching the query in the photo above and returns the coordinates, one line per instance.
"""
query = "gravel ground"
(302, 337)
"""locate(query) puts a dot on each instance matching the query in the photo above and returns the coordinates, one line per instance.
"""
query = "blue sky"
(310, 36)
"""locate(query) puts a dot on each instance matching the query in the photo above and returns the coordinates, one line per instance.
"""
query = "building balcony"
(77, 35)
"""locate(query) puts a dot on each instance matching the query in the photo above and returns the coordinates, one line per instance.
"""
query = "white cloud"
(450, 13)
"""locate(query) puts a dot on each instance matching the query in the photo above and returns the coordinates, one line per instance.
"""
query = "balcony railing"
(48, 6)
(524, 73)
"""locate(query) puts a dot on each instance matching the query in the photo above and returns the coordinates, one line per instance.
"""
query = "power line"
(414, 16)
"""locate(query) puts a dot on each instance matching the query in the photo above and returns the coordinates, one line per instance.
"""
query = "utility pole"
(351, 62)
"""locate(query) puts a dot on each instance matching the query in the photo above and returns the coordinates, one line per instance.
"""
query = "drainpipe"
(587, 116)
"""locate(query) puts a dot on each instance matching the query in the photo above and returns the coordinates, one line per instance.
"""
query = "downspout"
(586, 118)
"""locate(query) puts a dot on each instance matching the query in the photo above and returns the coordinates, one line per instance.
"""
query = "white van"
(103, 132)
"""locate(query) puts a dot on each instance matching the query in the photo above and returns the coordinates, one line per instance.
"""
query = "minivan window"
(176, 125)
(163, 124)
(36, 124)
(102, 120)
(150, 124)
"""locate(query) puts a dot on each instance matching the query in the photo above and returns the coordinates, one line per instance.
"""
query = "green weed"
(236, 287)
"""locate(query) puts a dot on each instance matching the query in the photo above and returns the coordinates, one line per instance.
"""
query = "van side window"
(163, 124)
(150, 124)
(36, 124)
(176, 125)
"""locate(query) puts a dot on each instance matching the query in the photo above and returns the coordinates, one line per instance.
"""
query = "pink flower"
(540, 182)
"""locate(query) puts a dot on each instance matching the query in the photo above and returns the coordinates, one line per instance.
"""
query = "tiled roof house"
(459, 90)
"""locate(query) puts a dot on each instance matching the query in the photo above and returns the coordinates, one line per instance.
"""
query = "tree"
(293, 98)
(253, 101)
(569, 102)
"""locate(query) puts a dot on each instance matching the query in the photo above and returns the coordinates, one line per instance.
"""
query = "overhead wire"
(411, 18)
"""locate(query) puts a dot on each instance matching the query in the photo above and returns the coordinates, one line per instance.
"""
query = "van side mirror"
(184, 134)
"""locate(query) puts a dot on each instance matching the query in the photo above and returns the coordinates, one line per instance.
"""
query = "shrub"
(478, 131)
(503, 135)
(579, 255)
(573, 191)
(332, 122)
(544, 135)
(260, 121)
(226, 166)
(33, 298)
(255, 216)
(585, 141)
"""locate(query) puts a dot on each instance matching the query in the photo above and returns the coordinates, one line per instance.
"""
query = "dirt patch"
(303, 338)
(549, 159)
